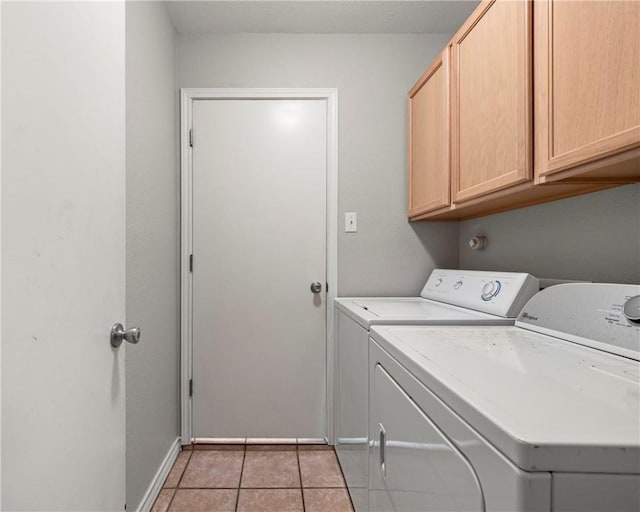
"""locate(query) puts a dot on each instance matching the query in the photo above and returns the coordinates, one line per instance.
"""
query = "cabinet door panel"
(587, 81)
(491, 100)
(429, 140)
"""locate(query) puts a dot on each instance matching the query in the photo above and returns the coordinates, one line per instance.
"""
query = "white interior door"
(259, 242)
(63, 256)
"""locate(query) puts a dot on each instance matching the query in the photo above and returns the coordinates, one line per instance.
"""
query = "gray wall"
(153, 403)
(373, 73)
(595, 237)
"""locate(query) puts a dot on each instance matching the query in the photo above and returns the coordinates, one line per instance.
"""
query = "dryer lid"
(547, 404)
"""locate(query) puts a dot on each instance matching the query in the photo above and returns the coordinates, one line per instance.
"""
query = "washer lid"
(547, 404)
(412, 311)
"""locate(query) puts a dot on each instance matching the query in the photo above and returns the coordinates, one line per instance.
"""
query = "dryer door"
(416, 463)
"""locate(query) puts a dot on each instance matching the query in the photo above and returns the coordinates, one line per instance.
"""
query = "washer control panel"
(598, 315)
(631, 309)
(490, 289)
(498, 293)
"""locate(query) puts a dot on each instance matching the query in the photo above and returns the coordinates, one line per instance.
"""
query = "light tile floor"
(255, 478)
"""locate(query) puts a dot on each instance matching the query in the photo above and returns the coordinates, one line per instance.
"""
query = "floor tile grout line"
(175, 490)
(184, 470)
(173, 494)
(300, 475)
(244, 457)
(340, 474)
(344, 479)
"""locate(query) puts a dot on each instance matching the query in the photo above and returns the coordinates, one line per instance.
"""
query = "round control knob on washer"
(631, 309)
(438, 282)
(490, 290)
(458, 284)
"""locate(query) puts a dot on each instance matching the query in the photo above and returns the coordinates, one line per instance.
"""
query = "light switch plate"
(350, 222)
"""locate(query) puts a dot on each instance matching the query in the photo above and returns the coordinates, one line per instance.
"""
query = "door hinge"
(190, 262)
(191, 137)
(190, 387)
(326, 289)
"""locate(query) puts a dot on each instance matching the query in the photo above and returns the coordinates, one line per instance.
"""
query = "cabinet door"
(587, 73)
(491, 99)
(429, 140)
(412, 460)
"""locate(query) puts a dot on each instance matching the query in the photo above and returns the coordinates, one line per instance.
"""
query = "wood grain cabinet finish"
(587, 90)
(571, 69)
(491, 92)
(429, 184)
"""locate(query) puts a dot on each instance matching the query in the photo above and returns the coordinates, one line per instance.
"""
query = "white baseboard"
(161, 475)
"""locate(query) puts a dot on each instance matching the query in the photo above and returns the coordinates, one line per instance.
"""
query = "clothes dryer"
(449, 297)
(543, 415)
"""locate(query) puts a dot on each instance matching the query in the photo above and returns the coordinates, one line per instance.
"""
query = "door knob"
(316, 287)
(118, 335)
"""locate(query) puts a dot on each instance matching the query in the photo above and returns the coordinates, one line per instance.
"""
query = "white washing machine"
(543, 415)
(449, 297)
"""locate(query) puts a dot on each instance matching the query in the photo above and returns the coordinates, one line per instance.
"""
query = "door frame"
(187, 97)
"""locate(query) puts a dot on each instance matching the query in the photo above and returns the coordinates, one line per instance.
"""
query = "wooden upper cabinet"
(587, 88)
(491, 100)
(429, 140)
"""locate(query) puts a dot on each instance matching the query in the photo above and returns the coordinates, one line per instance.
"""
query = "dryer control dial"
(458, 284)
(631, 309)
(490, 290)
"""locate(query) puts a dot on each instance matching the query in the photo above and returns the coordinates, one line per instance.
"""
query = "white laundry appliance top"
(449, 297)
(539, 391)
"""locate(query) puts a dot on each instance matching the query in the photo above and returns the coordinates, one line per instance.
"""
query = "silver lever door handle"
(118, 335)
(316, 287)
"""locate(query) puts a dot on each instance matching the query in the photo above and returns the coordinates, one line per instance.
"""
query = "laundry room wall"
(594, 237)
(387, 256)
(152, 366)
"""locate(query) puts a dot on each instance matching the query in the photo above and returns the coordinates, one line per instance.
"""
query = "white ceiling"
(324, 17)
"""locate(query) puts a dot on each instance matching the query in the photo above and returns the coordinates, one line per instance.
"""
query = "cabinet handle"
(383, 449)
